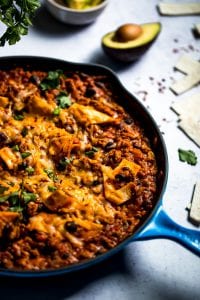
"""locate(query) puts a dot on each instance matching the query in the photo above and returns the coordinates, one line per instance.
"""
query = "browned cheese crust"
(77, 173)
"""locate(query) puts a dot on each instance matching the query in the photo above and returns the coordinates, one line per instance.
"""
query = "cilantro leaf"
(91, 152)
(56, 111)
(29, 170)
(18, 200)
(27, 197)
(24, 131)
(12, 198)
(3, 189)
(25, 154)
(187, 156)
(51, 81)
(63, 163)
(63, 100)
(51, 174)
(52, 188)
(19, 117)
(15, 148)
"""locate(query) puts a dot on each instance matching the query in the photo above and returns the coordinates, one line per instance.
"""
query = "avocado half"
(130, 50)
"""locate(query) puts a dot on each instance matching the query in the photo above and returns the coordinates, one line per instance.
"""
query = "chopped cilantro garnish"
(18, 199)
(30, 170)
(16, 208)
(25, 154)
(14, 198)
(52, 188)
(19, 117)
(51, 174)
(27, 197)
(11, 197)
(24, 131)
(15, 148)
(187, 156)
(91, 152)
(52, 80)
(56, 111)
(63, 100)
(63, 163)
(3, 189)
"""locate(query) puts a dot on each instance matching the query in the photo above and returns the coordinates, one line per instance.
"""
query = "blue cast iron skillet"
(157, 224)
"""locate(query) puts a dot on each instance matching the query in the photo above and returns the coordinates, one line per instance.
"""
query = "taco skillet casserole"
(77, 173)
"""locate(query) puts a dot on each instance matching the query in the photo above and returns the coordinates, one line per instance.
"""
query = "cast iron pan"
(157, 224)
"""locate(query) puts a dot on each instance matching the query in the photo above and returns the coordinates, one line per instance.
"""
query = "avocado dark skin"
(130, 50)
(127, 55)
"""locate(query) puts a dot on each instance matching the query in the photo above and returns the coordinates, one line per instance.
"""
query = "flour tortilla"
(175, 9)
(187, 65)
(194, 213)
(197, 28)
(188, 107)
(185, 83)
(191, 127)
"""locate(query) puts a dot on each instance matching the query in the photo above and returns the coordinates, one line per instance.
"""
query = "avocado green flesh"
(82, 4)
(150, 31)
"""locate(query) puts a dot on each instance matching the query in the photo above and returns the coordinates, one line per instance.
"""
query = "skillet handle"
(162, 226)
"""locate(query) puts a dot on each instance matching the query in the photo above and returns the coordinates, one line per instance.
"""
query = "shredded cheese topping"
(75, 169)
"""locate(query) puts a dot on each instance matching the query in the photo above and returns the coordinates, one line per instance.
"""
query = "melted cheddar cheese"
(74, 173)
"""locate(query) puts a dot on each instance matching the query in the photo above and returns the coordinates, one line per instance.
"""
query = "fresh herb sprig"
(17, 17)
(63, 100)
(187, 156)
(51, 81)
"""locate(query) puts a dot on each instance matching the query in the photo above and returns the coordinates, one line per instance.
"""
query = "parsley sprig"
(17, 17)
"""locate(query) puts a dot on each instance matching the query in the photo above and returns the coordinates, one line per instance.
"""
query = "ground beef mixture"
(77, 173)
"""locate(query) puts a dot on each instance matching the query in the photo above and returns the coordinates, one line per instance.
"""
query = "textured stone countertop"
(154, 269)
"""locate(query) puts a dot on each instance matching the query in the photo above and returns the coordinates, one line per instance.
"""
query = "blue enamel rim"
(46, 63)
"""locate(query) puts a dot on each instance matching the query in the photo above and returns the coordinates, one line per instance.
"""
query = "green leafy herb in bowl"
(82, 4)
(76, 12)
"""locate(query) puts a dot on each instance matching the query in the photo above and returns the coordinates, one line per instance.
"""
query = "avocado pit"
(127, 32)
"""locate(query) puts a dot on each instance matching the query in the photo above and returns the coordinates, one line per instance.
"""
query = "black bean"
(3, 138)
(64, 255)
(90, 92)
(120, 177)
(22, 166)
(96, 182)
(7, 230)
(128, 120)
(110, 145)
(35, 79)
(71, 227)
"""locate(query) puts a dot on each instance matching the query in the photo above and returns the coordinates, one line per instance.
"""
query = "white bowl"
(74, 16)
